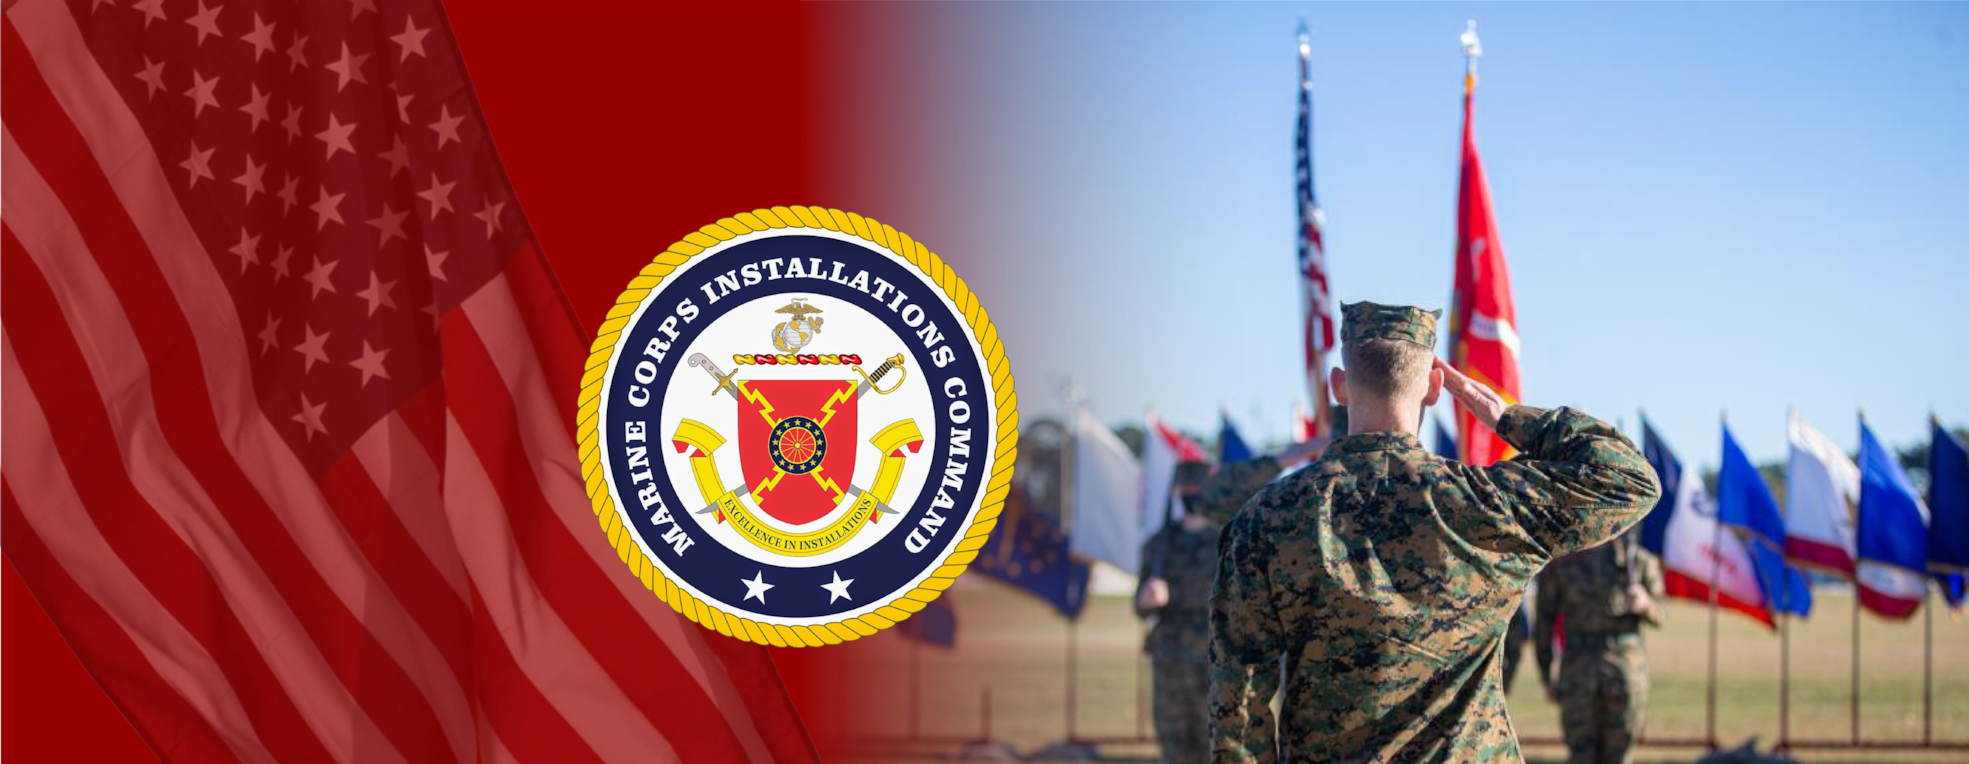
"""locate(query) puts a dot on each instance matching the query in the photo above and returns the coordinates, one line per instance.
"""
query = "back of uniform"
(1385, 577)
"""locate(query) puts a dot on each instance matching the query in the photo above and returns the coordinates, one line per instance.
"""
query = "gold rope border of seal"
(1004, 455)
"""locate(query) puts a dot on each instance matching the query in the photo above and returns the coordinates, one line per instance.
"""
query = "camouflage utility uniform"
(1603, 671)
(1385, 576)
(1178, 644)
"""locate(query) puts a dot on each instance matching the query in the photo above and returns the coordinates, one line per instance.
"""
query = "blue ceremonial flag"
(1744, 502)
(1654, 526)
(1230, 445)
(1892, 533)
(1948, 511)
(1742, 498)
(1028, 550)
(1445, 440)
(934, 625)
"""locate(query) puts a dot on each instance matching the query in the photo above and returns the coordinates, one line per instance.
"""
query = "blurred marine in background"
(1384, 575)
(1178, 565)
(1599, 599)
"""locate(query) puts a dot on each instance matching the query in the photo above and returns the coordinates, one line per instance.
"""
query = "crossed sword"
(725, 386)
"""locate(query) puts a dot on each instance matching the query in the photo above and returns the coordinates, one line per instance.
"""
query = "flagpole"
(1784, 652)
(1927, 665)
(1715, 573)
(1853, 700)
(1928, 624)
(1784, 682)
(1073, 623)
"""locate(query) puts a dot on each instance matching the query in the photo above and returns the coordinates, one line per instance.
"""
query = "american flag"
(1315, 295)
(290, 395)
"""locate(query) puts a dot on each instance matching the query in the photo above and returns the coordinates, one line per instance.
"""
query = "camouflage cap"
(1373, 321)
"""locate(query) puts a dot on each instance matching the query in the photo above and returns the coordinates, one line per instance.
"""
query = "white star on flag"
(348, 68)
(310, 417)
(370, 364)
(201, 93)
(314, 348)
(261, 38)
(336, 137)
(412, 39)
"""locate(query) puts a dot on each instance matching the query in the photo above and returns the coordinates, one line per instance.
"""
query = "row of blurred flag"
(1861, 521)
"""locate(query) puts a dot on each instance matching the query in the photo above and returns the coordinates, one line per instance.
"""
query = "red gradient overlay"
(625, 126)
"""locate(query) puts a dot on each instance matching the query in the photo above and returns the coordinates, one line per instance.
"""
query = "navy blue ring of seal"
(791, 452)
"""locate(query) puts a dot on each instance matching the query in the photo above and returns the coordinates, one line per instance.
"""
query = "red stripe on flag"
(530, 726)
(1818, 554)
(168, 724)
(558, 339)
(379, 684)
(555, 336)
(1886, 605)
(1688, 587)
(586, 601)
(165, 566)
(401, 563)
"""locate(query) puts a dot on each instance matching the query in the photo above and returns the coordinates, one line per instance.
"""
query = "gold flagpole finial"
(1472, 50)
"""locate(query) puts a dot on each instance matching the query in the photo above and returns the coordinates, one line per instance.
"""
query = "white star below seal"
(838, 590)
(756, 587)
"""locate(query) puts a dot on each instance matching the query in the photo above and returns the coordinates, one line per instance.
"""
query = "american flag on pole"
(289, 455)
(1316, 296)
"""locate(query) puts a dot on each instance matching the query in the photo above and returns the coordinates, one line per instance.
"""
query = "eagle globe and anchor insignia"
(779, 484)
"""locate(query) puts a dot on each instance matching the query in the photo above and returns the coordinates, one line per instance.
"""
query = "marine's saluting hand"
(1482, 401)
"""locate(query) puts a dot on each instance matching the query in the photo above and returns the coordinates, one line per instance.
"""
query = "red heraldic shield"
(797, 443)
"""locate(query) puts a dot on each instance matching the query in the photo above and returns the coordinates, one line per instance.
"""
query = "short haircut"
(1390, 369)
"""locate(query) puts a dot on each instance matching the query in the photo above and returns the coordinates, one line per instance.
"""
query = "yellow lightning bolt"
(842, 395)
(766, 485)
(765, 406)
(824, 482)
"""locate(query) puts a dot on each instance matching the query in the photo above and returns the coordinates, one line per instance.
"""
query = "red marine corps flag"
(290, 398)
(1483, 333)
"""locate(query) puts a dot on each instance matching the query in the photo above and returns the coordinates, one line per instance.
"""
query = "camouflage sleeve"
(1244, 648)
(1546, 604)
(1151, 567)
(1226, 491)
(1578, 482)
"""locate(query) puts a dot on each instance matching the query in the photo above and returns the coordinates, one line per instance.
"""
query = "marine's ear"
(1435, 386)
(1337, 381)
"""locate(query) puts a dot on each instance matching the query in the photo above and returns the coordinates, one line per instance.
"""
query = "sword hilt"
(724, 380)
(895, 362)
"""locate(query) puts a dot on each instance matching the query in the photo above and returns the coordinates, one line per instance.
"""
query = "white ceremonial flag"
(1821, 490)
(1107, 490)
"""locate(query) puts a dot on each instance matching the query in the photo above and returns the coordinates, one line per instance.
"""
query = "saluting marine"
(1383, 575)
(1602, 596)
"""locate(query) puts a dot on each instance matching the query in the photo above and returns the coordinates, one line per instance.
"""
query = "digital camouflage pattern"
(1182, 718)
(1179, 641)
(1385, 576)
(1187, 561)
(1374, 321)
(1603, 670)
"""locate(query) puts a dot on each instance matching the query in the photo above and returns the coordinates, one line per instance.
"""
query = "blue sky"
(1705, 207)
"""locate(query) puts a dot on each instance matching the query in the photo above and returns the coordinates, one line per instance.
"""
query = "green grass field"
(1015, 648)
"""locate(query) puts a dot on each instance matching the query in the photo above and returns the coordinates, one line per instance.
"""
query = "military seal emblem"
(813, 489)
